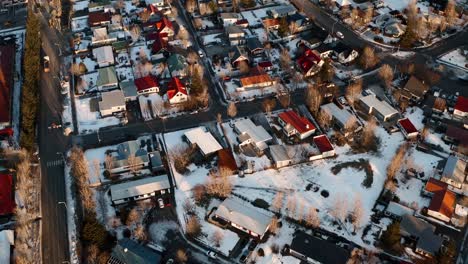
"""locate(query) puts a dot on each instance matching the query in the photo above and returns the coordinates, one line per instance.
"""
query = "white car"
(340, 35)
(212, 255)
(200, 53)
(161, 203)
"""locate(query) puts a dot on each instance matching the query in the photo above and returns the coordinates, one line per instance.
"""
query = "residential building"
(235, 35)
(7, 72)
(380, 109)
(396, 210)
(177, 92)
(204, 140)
(270, 23)
(107, 79)
(229, 19)
(461, 107)
(125, 150)
(297, 22)
(7, 195)
(295, 125)
(156, 162)
(456, 135)
(254, 46)
(129, 90)
(340, 117)
(239, 55)
(407, 128)
(311, 249)
(147, 85)
(454, 172)
(165, 28)
(129, 251)
(141, 189)
(242, 216)
(324, 146)
(111, 103)
(104, 56)
(309, 62)
(443, 200)
(282, 11)
(96, 19)
(414, 89)
(176, 64)
(249, 133)
(101, 37)
(7, 242)
(280, 156)
(427, 243)
(255, 81)
(159, 47)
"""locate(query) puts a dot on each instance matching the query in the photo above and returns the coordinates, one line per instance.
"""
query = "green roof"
(176, 62)
(106, 76)
(119, 45)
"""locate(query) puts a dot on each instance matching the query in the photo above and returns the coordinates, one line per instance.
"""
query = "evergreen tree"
(391, 237)
(197, 84)
(283, 29)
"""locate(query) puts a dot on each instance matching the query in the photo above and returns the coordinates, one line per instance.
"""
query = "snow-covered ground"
(71, 217)
(79, 23)
(255, 16)
(89, 121)
(80, 5)
(456, 57)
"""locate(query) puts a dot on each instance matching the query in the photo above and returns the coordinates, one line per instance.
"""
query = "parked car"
(161, 203)
(211, 255)
(200, 53)
(46, 64)
(243, 258)
(340, 35)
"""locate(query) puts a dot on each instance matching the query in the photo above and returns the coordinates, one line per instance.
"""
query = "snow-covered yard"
(255, 16)
(456, 57)
(88, 120)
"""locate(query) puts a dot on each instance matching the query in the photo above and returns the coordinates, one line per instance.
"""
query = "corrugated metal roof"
(143, 186)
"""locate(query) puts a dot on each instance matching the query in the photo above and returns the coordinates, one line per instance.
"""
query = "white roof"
(380, 106)
(139, 187)
(111, 99)
(461, 210)
(6, 241)
(243, 214)
(204, 140)
(257, 133)
(279, 153)
(342, 115)
(398, 209)
(99, 33)
(104, 54)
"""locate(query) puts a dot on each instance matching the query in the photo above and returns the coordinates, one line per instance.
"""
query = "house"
(7, 241)
(159, 45)
(204, 140)
(324, 146)
(7, 195)
(140, 189)
(293, 124)
(415, 88)
(394, 28)
(129, 251)
(254, 46)
(265, 65)
(396, 210)
(380, 109)
(165, 28)
(101, 37)
(309, 62)
(177, 92)
(427, 243)
(456, 135)
(156, 162)
(461, 107)
(311, 249)
(96, 19)
(111, 103)
(104, 56)
(347, 56)
(249, 133)
(407, 128)
(297, 22)
(242, 216)
(7, 73)
(147, 85)
(229, 19)
(243, 23)
(340, 117)
(454, 172)
(129, 90)
(235, 35)
(226, 160)
(442, 205)
(125, 150)
(107, 79)
(239, 55)
(280, 156)
(271, 23)
(282, 11)
(255, 81)
(177, 64)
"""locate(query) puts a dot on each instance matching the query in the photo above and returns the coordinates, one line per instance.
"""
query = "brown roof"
(256, 79)
(443, 200)
(416, 87)
(7, 59)
(270, 22)
(95, 18)
(226, 160)
(458, 134)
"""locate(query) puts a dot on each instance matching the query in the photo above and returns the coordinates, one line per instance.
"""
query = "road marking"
(54, 163)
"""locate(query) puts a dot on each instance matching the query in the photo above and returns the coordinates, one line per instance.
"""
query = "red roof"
(8, 132)
(459, 134)
(96, 18)
(462, 104)
(146, 82)
(7, 58)
(242, 22)
(443, 200)
(323, 144)
(163, 23)
(7, 202)
(407, 125)
(265, 64)
(159, 44)
(301, 124)
(308, 59)
(175, 86)
(226, 160)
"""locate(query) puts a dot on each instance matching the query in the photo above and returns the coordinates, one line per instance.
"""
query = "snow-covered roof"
(243, 214)
(398, 209)
(139, 187)
(111, 99)
(6, 241)
(455, 169)
(380, 106)
(256, 133)
(279, 153)
(341, 115)
(104, 55)
(204, 140)
(461, 210)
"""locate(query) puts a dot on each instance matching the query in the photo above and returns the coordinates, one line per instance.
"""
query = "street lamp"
(64, 204)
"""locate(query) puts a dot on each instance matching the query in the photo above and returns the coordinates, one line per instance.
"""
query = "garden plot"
(89, 119)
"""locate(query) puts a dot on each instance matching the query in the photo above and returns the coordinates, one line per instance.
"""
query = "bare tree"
(368, 15)
(193, 227)
(145, 15)
(313, 98)
(232, 110)
(184, 36)
(357, 214)
(284, 99)
(291, 206)
(368, 134)
(268, 105)
(368, 58)
(324, 119)
(181, 256)
(386, 74)
(278, 202)
(274, 225)
(188, 206)
(93, 252)
(109, 162)
(179, 155)
(132, 217)
(244, 67)
(285, 60)
(396, 162)
(353, 92)
(135, 33)
(134, 163)
(220, 184)
(312, 218)
(216, 238)
(339, 209)
(450, 12)
(140, 234)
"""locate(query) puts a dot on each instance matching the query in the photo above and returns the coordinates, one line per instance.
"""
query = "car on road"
(161, 203)
(252, 245)
(211, 255)
(243, 258)
(200, 53)
(46, 64)
(340, 35)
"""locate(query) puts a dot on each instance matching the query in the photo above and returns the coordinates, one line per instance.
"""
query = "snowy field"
(455, 57)
(89, 121)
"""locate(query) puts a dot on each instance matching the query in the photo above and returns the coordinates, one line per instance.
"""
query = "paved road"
(54, 225)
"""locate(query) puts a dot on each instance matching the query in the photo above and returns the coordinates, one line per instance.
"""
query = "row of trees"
(30, 89)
